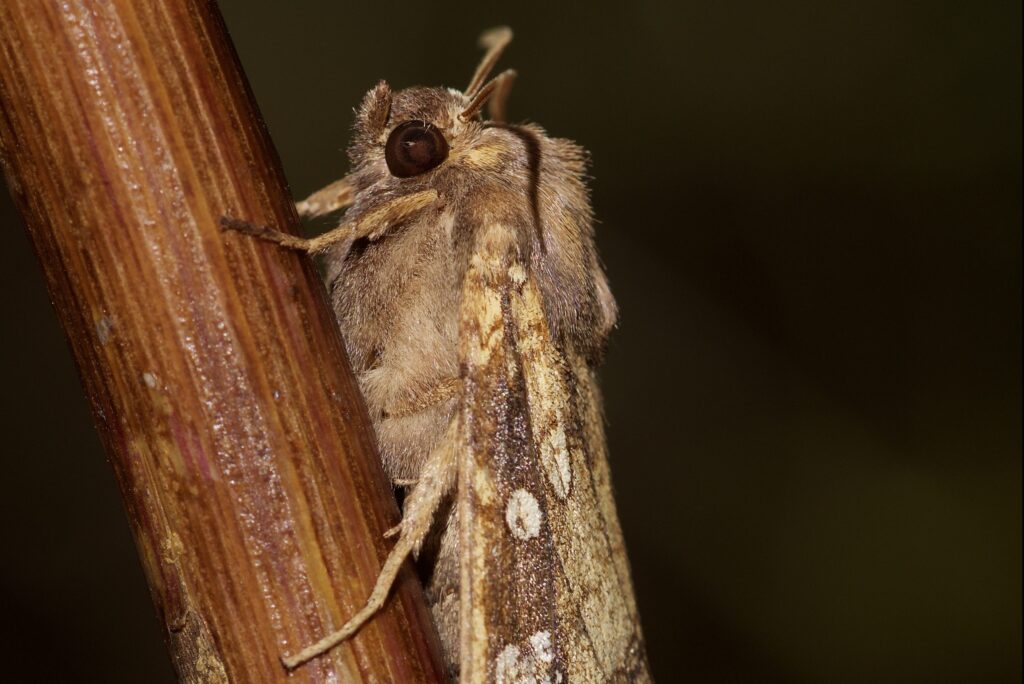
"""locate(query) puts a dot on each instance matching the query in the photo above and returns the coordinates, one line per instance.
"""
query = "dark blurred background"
(811, 216)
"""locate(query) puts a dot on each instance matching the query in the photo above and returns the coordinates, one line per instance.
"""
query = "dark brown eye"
(414, 147)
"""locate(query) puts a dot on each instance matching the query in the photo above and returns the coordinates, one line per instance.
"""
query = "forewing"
(545, 588)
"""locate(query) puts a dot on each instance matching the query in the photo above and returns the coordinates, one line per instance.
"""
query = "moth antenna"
(497, 88)
(496, 107)
(494, 41)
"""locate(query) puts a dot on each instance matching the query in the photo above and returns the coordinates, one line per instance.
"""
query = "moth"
(474, 310)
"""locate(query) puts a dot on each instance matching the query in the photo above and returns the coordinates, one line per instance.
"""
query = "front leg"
(334, 197)
(371, 225)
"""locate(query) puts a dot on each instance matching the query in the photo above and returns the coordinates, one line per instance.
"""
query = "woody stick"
(213, 366)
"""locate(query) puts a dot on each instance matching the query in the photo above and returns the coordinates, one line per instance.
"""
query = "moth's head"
(412, 133)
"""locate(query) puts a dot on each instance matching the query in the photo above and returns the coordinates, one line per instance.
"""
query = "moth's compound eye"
(414, 147)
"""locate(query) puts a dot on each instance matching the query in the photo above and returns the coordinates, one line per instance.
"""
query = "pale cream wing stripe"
(543, 595)
(594, 584)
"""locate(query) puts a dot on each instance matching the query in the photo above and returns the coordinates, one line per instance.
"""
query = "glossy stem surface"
(212, 362)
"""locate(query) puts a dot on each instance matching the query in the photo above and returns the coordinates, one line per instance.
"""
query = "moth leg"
(441, 392)
(300, 244)
(437, 480)
(265, 233)
(372, 225)
(399, 483)
(403, 483)
(335, 196)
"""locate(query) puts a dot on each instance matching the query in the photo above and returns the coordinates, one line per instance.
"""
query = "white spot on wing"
(516, 666)
(506, 666)
(522, 515)
(541, 643)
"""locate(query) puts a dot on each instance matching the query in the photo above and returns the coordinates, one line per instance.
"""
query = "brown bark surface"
(214, 368)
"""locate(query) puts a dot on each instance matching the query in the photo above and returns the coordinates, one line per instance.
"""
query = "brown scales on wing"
(505, 531)
(562, 609)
